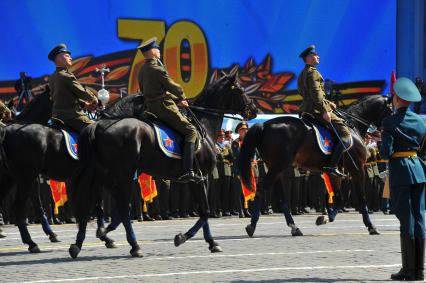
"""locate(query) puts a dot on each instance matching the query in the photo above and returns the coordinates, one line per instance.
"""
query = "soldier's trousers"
(79, 123)
(408, 203)
(167, 111)
(338, 124)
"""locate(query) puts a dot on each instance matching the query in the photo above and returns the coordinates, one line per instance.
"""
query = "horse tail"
(251, 142)
(85, 190)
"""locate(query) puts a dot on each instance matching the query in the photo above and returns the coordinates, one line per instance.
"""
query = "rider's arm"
(313, 81)
(170, 86)
(78, 89)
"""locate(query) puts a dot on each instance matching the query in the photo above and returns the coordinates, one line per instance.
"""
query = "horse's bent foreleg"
(101, 231)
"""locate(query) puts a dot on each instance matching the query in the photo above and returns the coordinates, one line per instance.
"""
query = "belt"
(399, 154)
(155, 98)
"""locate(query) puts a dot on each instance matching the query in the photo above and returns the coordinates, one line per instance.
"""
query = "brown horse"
(285, 142)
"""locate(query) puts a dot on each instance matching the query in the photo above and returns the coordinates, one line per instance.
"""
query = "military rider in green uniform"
(162, 98)
(402, 136)
(310, 85)
(5, 114)
(67, 93)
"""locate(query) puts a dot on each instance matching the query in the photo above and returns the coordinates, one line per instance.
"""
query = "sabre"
(344, 146)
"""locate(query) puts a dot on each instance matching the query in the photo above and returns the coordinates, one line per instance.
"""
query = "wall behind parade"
(356, 41)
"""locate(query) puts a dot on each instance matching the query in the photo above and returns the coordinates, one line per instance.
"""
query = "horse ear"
(222, 73)
(389, 100)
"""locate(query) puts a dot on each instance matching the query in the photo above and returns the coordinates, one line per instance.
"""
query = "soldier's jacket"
(224, 160)
(156, 84)
(403, 132)
(67, 93)
(3, 109)
(310, 85)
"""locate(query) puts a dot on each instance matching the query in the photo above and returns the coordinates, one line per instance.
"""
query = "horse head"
(372, 110)
(227, 96)
(38, 110)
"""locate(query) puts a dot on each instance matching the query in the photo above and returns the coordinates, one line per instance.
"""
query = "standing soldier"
(402, 135)
(67, 93)
(162, 95)
(310, 85)
(224, 161)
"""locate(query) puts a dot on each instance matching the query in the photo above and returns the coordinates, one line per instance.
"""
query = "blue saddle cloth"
(170, 142)
(71, 143)
(324, 139)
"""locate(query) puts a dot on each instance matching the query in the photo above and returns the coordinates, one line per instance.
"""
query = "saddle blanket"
(169, 141)
(325, 139)
(71, 143)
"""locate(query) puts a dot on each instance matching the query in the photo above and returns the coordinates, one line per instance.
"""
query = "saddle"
(168, 140)
(326, 138)
(70, 137)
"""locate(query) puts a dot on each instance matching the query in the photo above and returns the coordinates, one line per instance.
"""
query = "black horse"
(29, 148)
(285, 142)
(116, 148)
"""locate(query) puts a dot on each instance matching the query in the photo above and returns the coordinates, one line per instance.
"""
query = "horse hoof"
(321, 220)
(373, 231)
(54, 238)
(100, 232)
(296, 232)
(110, 245)
(136, 252)
(74, 250)
(216, 249)
(180, 239)
(34, 249)
(250, 230)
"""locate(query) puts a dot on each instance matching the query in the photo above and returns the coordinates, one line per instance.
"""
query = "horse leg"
(202, 222)
(123, 207)
(20, 209)
(75, 249)
(295, 231)
(359, 182)
(101, 231)
(38, 206)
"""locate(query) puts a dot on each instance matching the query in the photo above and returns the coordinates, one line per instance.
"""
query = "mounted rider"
(5, 114)
(310, 85)
(67, 94)
(162, 98)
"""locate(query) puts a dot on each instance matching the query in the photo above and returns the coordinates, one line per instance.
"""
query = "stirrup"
(335, 171)
(190, 176)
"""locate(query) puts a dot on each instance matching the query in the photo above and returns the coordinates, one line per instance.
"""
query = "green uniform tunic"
(311, 87)
(67, 93)
(3, 110)
(161, 94)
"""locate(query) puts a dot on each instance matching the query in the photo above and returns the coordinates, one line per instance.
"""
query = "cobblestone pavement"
(336, 252)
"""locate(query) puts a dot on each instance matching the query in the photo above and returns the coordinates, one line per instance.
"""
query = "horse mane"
(212, 87)
(39, 109)
(362, 104)
(123, 108)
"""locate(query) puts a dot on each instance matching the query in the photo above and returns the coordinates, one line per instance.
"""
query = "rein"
(215, 112)
(345, 114)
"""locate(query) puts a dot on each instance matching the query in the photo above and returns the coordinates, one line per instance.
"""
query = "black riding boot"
(420, 258)
(408, 260)
(335, 158)
(188, 160)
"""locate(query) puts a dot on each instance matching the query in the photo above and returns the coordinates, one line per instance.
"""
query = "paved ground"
(337, 252)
